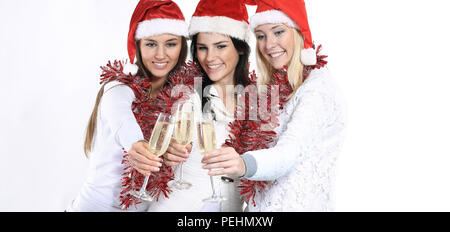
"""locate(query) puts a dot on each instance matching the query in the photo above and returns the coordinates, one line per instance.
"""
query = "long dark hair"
(142, 72)
(241, 70)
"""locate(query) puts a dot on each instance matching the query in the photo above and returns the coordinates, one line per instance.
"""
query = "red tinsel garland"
(250, 135)
(146, 111)
(245, 135)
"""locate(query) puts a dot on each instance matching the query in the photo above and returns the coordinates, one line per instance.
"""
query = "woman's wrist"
(250, 165)
(243, 168)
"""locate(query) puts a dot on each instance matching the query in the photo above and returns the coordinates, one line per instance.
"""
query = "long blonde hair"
(295, 67)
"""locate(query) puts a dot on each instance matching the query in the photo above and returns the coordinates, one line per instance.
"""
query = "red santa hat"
(153, 17)
(291, 13)
(228, 17)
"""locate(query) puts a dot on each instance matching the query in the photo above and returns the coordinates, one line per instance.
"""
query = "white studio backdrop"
(389, 57)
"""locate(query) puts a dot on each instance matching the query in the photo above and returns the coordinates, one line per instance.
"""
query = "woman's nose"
(211, 56)
(160, 53)
(271, 42)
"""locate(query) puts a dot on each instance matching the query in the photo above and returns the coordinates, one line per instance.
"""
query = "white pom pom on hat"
(308, 56)
(129, 68)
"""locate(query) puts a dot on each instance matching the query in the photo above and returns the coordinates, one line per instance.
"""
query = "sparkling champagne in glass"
(159, 142)
(183, 132)
(207, 143)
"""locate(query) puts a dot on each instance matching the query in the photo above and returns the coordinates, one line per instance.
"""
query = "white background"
(390, 58)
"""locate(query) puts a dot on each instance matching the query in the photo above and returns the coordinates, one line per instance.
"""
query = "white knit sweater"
(301, 166)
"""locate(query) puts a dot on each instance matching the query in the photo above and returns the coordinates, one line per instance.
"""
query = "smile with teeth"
(214, 67)
(160, 64)
(276, 54)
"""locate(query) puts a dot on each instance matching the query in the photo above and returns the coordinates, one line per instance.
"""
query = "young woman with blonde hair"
(297, 172)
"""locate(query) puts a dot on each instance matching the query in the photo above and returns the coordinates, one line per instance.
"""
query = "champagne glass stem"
(181, 171)
(143, 188)
(212, 186)
(180, 183)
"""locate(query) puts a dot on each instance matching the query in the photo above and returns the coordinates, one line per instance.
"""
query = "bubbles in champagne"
(183, 128)
(207, 137)
(161, 134)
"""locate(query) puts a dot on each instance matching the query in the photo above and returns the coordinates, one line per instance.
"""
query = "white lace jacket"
(301, 166)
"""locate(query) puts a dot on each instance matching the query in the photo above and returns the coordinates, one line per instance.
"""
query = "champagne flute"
(207, 143)
(159, 142)
(183, 132)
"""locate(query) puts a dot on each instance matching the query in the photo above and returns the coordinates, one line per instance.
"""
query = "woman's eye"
(201, 48)
(221, 46)
(151, 45)
(170, 45)
(278, 33)
(260, 37)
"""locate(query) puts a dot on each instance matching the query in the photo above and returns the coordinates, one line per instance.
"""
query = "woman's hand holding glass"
(183, 133)
(158, 144)
(176, 153)
(207, 143)
(224, 161)
(142, 159)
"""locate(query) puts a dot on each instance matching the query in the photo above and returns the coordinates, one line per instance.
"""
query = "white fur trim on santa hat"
(130, 68)
(161, 26)
(308, 56)
(271, 16)
(219, 24)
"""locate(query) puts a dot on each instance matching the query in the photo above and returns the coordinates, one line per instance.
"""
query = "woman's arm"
(115, 109)
(304, 124)
(303, 128)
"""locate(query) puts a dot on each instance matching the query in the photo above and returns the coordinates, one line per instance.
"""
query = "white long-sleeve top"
(301, 165)
(117, 128)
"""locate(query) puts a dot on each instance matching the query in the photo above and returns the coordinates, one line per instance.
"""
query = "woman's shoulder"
(116, 92)
(318, 77)
(320, 81)
(117, 86)
(322, 86)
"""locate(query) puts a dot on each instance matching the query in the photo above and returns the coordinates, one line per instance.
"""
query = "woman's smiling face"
(217, 56)
(275, 42)
(160, 53)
